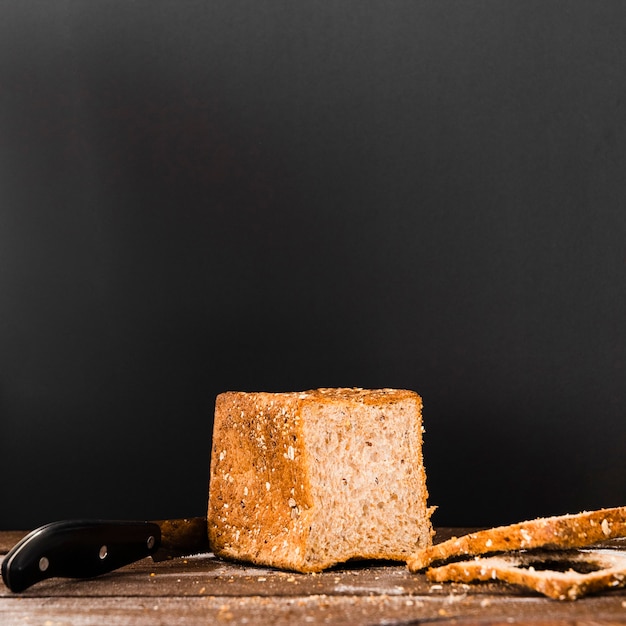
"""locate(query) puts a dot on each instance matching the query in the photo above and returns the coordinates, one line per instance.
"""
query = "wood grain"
(202, 590)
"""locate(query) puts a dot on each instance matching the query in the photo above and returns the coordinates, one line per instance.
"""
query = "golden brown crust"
(559, 532)
(298, 478)
(257, 457)
(558, 575)
(358, 394)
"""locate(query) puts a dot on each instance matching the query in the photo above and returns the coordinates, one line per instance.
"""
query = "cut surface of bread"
(306, 480)
(561, 575)
(558, 532)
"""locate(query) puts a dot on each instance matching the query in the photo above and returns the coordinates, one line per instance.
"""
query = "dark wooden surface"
(206, 590)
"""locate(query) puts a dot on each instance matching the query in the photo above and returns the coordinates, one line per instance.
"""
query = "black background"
(200, 196)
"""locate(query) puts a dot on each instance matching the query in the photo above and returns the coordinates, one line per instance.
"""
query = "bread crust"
(557, 533)
(257, 457)
(271, 497)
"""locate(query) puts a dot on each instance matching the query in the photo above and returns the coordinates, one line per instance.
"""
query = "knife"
(88, 548)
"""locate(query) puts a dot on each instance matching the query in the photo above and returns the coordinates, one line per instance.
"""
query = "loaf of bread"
(305, 480)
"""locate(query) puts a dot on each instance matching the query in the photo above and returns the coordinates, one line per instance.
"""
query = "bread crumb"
(225, 614)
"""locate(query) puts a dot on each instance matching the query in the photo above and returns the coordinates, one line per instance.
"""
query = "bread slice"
(558, 532)
(305, 480)
(561, 575)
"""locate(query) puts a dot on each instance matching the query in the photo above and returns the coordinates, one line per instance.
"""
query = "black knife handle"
(77, 549)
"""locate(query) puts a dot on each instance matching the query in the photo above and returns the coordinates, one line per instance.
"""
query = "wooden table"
(206, 590)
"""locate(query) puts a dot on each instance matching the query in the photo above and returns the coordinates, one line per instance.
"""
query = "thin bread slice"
(558, 532)
(561, 575)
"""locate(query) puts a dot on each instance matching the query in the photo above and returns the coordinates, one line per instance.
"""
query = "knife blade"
(89, 548)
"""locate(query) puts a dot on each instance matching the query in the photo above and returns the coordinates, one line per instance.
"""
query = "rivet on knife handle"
(77, 549)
